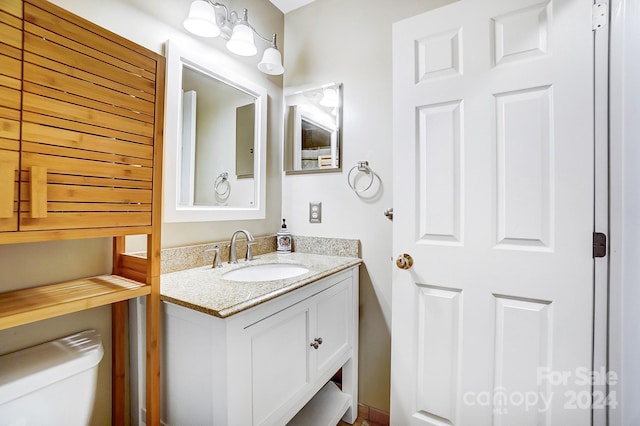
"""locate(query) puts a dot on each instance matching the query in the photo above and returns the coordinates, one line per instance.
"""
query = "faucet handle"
(217, 262)
(250, 245)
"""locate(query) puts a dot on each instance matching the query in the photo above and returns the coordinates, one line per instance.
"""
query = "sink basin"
(265, 272)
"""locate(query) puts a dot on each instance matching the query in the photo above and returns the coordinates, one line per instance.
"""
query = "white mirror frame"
(219, 66)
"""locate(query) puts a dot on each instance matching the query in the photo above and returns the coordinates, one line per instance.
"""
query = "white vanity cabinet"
(263, 365)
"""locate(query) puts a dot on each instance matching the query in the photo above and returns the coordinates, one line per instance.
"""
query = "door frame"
(601, 216)
(623, 275)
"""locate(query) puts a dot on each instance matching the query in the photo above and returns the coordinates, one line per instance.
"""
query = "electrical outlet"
(315, 212)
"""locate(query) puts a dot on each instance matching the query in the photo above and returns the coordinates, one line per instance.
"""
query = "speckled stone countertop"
(203, 289)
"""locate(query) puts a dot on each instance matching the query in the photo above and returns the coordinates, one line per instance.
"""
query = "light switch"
(315, 212)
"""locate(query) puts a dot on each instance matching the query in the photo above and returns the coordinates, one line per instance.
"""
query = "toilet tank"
(53, 383)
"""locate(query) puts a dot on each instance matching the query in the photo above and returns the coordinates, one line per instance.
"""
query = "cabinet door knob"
(316, 342)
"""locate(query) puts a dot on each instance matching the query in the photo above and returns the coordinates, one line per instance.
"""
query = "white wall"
(350, 42)
(625, 209)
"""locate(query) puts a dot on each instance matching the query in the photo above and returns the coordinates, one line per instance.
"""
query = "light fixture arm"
(233, 18)
(205, 19)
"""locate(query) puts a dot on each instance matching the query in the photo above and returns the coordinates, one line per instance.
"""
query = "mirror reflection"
(215, 138)
(313, 129)
(218, 126)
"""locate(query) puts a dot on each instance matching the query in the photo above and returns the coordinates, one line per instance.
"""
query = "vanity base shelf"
(326, 408)
(37, 303)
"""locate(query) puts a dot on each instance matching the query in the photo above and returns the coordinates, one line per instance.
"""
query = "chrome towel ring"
(361, 167)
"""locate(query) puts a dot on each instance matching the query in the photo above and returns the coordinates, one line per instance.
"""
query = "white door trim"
(624, 131)
(601, 218)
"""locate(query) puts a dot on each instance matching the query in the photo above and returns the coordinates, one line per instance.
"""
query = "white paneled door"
(494, 199)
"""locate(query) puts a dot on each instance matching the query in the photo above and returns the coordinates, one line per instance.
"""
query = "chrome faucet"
(233, 255)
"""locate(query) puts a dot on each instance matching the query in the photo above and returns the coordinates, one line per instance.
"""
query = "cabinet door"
(88, 125)
(280, 368)
(10, 104)
(334, 322)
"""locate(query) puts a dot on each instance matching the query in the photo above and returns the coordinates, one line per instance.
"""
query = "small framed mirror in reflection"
(313, 136)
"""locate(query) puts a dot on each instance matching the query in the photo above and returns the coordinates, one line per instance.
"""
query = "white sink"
(265, 272)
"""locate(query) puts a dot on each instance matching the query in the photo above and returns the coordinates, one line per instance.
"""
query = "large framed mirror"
(215, 141)
(313, 135)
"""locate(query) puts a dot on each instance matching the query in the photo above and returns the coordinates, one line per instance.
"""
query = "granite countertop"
(203, 289)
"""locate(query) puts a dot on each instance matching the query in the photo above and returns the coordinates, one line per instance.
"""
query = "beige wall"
(148, 23)
(350, 41)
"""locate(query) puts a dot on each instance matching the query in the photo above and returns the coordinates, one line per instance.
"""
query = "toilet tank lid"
(33, 368)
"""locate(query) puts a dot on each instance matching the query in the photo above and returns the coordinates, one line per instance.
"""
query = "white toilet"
(51, 384)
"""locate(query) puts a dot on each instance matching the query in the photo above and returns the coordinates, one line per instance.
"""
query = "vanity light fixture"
(211, 19)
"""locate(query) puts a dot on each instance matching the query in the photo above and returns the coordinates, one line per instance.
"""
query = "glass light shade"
(329, 98)
(241, 41)
(202, 20)
(271, 62)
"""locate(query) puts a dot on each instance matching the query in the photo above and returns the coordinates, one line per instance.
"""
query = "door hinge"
(599, 15)
(599, 244)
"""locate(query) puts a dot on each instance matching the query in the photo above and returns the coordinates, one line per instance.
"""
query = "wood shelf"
(38, 303)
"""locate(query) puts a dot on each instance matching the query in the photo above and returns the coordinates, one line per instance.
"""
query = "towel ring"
(222, 181)
(362, 166)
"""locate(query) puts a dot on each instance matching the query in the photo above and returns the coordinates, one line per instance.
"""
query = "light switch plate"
(315, 212)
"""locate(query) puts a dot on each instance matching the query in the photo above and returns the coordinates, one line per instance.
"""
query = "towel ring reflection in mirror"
(361, 167)
(222, 187)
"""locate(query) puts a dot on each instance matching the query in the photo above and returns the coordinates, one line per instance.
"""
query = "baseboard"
(372, 414)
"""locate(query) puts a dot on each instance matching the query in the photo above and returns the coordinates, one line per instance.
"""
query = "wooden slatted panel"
(10, 106)
(37, 303)
(84, 128)
(73, 27)
(12, 7)
(10, 33)
(89, 117)
(76, 220)
(93, 181)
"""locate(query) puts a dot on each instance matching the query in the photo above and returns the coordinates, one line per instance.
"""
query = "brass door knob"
(404, 261)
